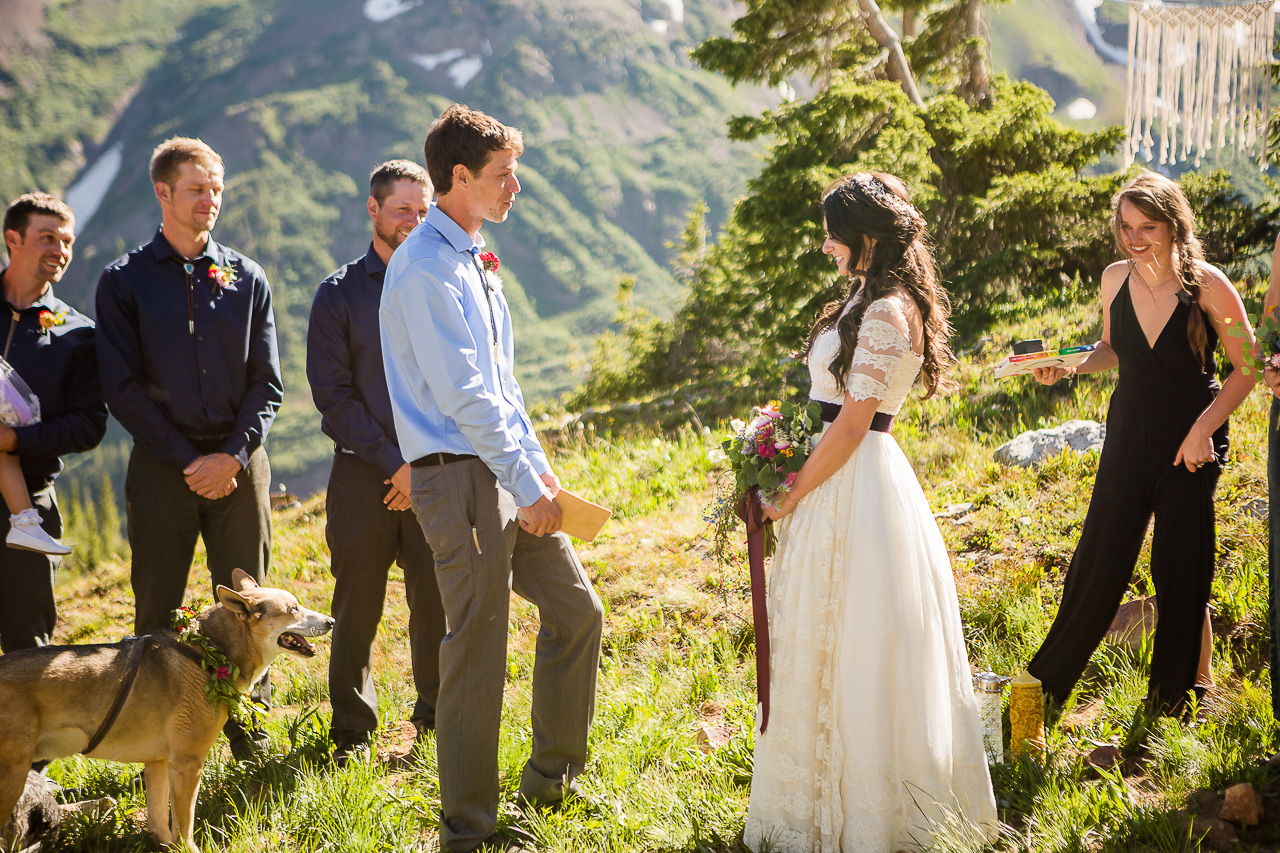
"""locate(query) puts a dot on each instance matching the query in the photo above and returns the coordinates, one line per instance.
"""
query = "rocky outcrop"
(1034, 447)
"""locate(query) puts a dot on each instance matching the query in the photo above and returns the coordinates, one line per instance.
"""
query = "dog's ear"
(240, 580)
(234, 602)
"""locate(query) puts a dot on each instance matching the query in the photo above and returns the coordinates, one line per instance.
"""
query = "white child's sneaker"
(26, 534)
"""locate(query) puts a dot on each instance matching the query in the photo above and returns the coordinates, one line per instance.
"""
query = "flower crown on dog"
(221, 672)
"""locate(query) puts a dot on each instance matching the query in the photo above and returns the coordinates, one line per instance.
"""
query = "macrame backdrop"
(1199, 78)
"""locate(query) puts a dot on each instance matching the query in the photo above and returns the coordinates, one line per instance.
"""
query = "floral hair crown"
(873, 187)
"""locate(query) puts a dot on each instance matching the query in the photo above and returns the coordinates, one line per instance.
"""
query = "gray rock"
(954, 510)
(1214, 834)
(1242, 805)
(35, 819)
(1256, 508)
(1134, 622)
(1034, 447)
(1104, 757)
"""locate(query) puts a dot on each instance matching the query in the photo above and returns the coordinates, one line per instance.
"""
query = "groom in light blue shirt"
(482, 488)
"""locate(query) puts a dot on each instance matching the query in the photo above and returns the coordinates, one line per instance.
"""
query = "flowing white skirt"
(873, 736)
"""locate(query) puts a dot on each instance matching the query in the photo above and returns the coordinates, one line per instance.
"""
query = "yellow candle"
(1026, 714)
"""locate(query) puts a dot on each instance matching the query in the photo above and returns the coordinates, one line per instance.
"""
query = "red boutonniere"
(224, 276)
(489, 261)
(48, 319)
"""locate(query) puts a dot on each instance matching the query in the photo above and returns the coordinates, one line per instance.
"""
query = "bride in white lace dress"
(873, 737)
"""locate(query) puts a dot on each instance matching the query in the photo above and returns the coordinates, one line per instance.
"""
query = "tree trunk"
(884, 35)
(978, 86)
(910, 23)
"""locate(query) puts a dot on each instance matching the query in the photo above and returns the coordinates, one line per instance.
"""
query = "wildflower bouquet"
(764, 454)
(1265, 354)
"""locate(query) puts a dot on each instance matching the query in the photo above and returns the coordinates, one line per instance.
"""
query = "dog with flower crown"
(158, 700)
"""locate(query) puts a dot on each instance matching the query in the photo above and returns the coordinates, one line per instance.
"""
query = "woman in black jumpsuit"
(1165, 446)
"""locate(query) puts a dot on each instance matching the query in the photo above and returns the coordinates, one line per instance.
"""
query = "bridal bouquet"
(765, 454)
(1265, 354)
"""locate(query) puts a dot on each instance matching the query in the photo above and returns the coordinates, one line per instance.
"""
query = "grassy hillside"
(1044, 41)
(303, 97)
(679, 654)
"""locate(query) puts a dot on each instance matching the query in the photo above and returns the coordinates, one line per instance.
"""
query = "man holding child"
(51, 346)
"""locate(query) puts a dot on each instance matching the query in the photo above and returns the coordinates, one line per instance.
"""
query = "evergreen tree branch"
(898, 69)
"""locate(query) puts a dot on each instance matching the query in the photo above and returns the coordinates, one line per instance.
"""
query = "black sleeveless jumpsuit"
(1161, 392)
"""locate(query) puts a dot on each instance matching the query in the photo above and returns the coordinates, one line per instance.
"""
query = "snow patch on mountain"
(384, 10)
(85, 196)
(1088, 12)
(429, 61)
(462, 71)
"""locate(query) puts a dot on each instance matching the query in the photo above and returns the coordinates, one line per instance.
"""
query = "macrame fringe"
(1199, 78)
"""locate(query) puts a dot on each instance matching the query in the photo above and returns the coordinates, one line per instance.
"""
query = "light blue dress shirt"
(451, 383)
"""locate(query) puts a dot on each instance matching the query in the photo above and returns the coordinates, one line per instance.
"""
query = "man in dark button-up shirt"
(188, 361)
(367, 527)
(50, 345)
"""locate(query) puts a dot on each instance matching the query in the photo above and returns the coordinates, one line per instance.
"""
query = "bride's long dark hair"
(876, 206)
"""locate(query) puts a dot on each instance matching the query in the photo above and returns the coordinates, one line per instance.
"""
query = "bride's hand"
(783, 509)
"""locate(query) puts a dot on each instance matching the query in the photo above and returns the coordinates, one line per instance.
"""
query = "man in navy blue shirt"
(366, 524)
(50, 345)
(188, 360)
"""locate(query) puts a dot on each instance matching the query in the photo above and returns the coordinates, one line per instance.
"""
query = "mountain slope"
(303, 97)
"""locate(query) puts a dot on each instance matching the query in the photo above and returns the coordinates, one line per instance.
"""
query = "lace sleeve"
(884, 338)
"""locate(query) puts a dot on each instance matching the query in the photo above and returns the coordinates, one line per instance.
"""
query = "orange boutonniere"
(223, 276)
(49, 319)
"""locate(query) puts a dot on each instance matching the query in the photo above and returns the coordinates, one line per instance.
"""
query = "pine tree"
(1009, 192)
(113, 541)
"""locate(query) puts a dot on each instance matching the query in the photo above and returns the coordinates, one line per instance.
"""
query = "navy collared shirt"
(344, 363)
(188, 365)
(60, 367)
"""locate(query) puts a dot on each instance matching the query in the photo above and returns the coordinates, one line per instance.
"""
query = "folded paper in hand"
(1016, 365)
(579, 517)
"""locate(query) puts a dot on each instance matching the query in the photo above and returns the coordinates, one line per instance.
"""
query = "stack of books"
(1016, 365)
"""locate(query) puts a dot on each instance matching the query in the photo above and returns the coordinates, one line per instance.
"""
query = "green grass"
(678, 651)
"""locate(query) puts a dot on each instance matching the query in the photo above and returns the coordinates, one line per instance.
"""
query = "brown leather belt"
(432, 459)
(880, 421)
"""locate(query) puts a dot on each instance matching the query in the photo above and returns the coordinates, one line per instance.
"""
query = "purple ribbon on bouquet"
(752, 514)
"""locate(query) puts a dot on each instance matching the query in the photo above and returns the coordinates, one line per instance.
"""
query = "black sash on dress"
(880, 421)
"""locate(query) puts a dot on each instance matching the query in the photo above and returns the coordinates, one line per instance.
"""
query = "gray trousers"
(460, 505)
(364, 539)
(164, 519)
(27, 611)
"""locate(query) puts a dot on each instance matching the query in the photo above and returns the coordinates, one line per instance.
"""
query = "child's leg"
(25, 532)
(13, 488)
